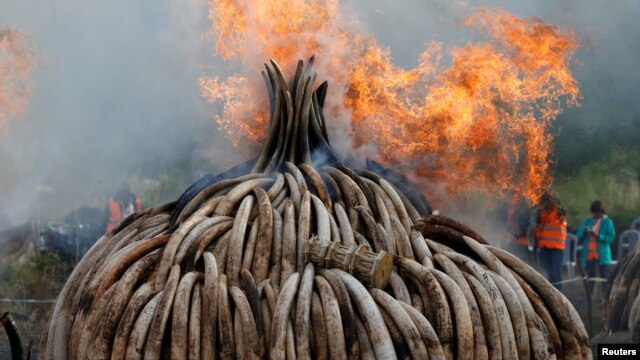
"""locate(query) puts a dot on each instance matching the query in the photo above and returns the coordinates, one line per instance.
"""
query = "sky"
(115, 89)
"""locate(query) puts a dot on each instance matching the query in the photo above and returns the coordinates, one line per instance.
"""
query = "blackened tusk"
(455, 225)
(288, 131)
(195, 188)
(403, 184)
(296, 78)
(322, 153)
(270, 145)
(270, 92)
(292, 151)
(17, 351)
(321, 92)
(306, 110)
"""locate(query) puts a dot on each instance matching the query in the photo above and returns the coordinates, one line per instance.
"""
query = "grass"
(40, 277)
(615, 181)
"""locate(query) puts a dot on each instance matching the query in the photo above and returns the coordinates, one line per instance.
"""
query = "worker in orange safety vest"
(549, 233)
(121, 205)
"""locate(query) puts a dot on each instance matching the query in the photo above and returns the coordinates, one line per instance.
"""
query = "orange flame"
(15, 69)
(480, 122)
(250, 33)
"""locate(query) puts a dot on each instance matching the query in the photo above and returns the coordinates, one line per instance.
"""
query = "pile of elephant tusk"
(222, 272)
(623, 312)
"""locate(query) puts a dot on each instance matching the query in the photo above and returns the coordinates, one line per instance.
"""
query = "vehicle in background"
(71, 237)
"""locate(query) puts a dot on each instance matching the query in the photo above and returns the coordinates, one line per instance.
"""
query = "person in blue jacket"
(596, 233)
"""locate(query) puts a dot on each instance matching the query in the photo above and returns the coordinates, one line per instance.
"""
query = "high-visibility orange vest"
(522, 240)
(115, 212)
(592, 247)
(552, 231)
(593, 250)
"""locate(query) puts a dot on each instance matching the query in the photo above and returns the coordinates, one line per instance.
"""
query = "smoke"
(490, 98)
(115, 99)
(117, 92)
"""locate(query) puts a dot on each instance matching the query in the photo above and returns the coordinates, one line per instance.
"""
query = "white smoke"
(117, 92)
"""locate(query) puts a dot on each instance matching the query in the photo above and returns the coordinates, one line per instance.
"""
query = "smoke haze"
(116, 94)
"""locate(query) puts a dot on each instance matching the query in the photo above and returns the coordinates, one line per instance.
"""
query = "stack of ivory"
(623, 312)
(221, 272)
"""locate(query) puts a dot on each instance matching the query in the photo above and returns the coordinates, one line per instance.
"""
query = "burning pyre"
(484, 108)
(224, 271)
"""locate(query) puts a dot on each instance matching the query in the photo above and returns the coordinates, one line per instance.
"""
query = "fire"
(482, 121)
(475, 117)
(239, 103)
(249, 33)
(15, 69)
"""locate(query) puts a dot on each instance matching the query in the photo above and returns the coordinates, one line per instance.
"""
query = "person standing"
(121, 205)
(596, 233)
(549, 232)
